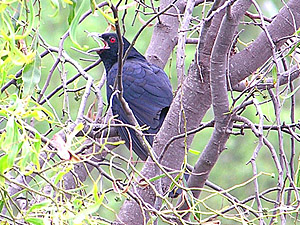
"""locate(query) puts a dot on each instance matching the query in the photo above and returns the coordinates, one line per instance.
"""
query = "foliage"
(53, 108)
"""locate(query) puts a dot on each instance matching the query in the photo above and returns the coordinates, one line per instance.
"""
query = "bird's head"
(108, 49)
(109, 43)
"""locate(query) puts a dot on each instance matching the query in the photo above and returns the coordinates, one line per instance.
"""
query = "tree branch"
(223, 122)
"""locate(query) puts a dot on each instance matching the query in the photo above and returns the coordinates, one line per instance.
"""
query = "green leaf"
(74, 24)
(3, 168)
(30, 21)
(31, 76)
(95, 193)
(292, 93)
(59, 177)
(73, 134)
(298, 175)
(78, 128)
(195, 152)
(2, 7)
(72, 8)
(35, 221)
(93, 5)
(116, 143)
(293, 48)
(12, 142)
(176, 179)
(77, 203)
(37, 147)
(84, 213)
(38, 206)
(90, 209)
(107, 16)
(157, 177)
(55, 5)
(274, 74)
(1, 205)
(3, 75)
(61, 174)
(39, 113)
(25, 156)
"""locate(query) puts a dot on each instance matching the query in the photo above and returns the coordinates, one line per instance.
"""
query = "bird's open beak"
(102, 45)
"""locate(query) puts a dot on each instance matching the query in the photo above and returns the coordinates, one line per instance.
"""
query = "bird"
(146, 89)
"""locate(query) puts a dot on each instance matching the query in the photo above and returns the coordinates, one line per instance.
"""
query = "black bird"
(146, 89)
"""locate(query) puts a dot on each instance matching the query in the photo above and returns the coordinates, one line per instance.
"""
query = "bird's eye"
(112, 40)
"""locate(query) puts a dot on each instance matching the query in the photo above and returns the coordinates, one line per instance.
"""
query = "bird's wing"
(147, 90)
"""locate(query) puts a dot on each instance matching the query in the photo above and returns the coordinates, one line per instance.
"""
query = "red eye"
(112, 40)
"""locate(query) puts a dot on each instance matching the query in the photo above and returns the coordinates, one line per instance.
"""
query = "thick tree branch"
(223, 122)
(255, 55)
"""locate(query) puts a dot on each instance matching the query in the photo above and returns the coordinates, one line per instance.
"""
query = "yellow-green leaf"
(74, 24)
(195, 152)
(31, 76)
(3, 167)
(29, 22)
(72, 8)
(55, 5)
(86, 212)
(12, 142)
(107, 16)
(38, 206)
(35, 221)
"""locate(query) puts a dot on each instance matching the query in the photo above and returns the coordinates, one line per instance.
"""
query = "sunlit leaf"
(31, 76)
(61, 174)
(116, 143)
(30, 21)
(93, 5)
(25, 156)
(78, 128)
(3, 167)
(294, 47)
(157, 177)
(37, 147)
(2, 77)
(39, 113)
(292, 93)
(36, 114)
(298, 175)
(89, 210)
(77, 204)
(274, 74)
(74, 24)
(73, 134)
(96, 192)
(35, 221)
(107, 16)
(39, 206)
(70, 2)
(2, 7)
(12, 142)
(72, 8)
(195, 152)
(55, 5)
(1, 205)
